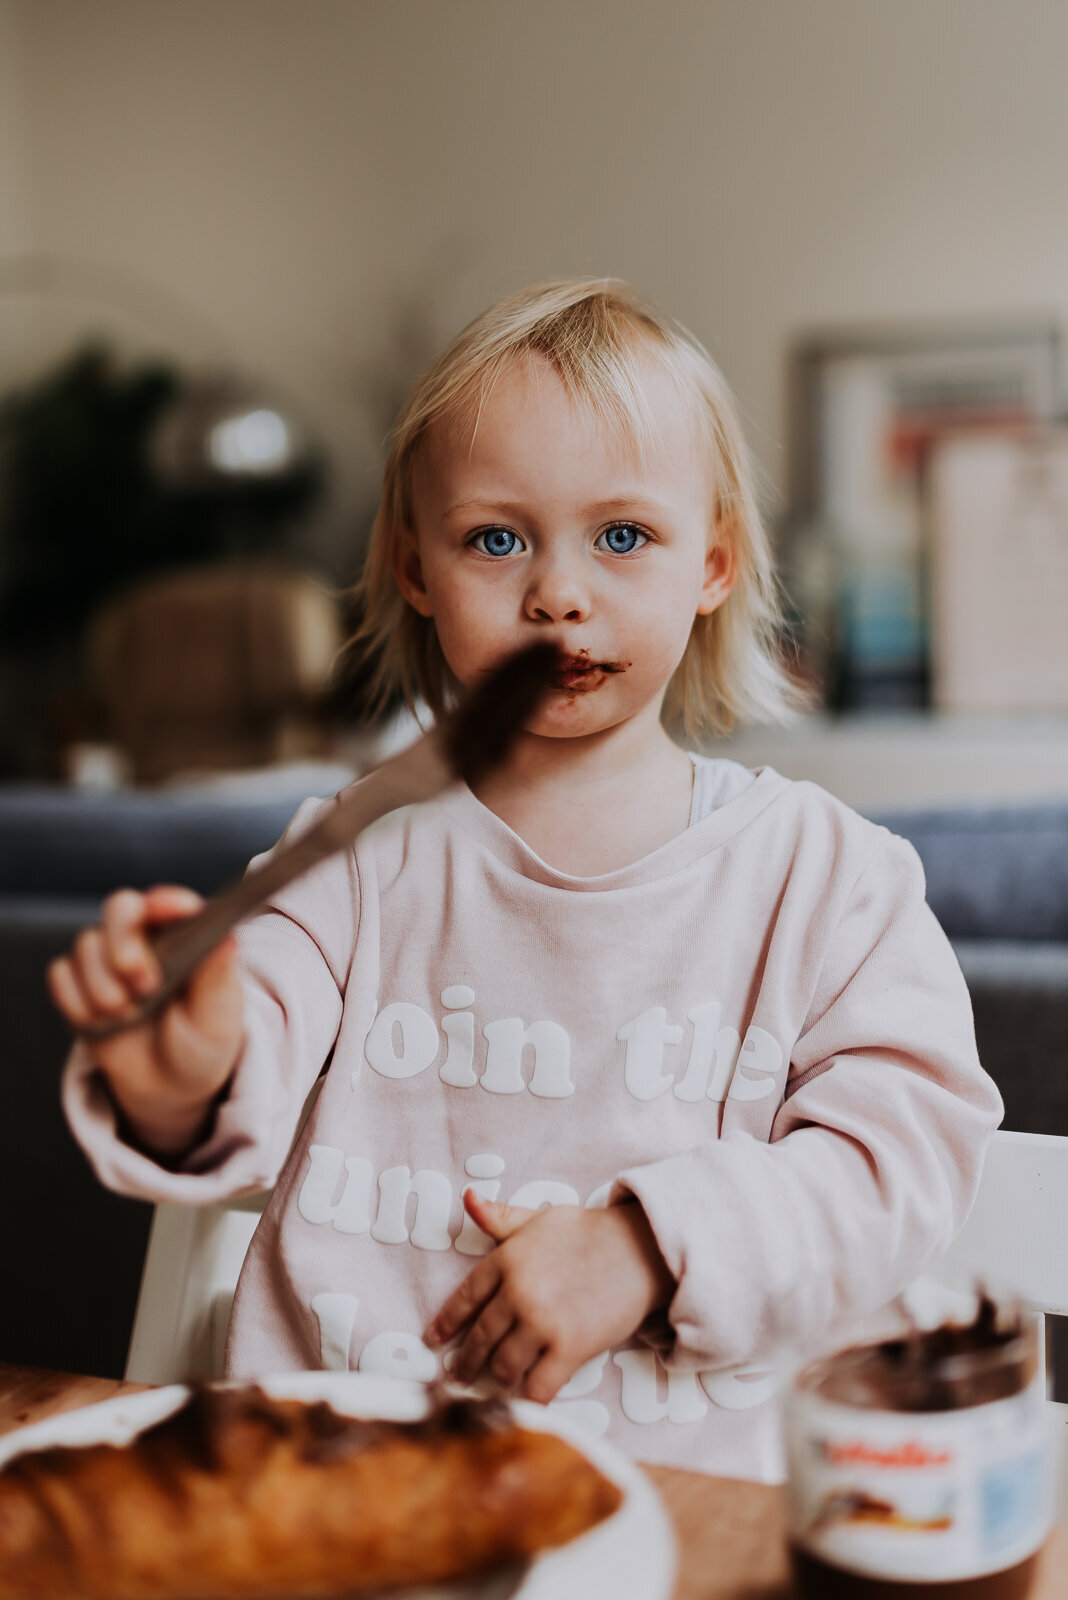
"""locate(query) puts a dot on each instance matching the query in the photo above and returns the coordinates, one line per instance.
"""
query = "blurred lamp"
(221, 431)
(257, 441)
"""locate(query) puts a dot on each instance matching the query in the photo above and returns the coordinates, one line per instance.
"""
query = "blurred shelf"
(915, 759)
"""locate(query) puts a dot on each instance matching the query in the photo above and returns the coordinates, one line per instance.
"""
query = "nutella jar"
(922, 1466)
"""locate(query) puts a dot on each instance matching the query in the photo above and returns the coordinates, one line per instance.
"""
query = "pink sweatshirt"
(759, 1031)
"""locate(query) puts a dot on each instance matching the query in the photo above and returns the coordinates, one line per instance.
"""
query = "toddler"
(633, 1060)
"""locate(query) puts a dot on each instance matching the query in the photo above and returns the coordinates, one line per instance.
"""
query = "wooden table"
(730, 1532)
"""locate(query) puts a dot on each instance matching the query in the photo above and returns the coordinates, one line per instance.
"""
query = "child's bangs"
(598, 366)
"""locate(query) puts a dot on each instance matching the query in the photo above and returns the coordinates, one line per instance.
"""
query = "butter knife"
(467, 745)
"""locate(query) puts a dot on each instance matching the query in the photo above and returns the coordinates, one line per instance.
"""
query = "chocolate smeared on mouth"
(578, 673)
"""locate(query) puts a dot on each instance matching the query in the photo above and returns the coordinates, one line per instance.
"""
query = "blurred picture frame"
(868, 407)
(999, 572)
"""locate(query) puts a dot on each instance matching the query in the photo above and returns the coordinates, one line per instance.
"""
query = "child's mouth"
(578, 673)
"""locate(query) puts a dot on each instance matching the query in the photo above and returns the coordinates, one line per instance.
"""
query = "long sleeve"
(294, 960)
(874, 1154)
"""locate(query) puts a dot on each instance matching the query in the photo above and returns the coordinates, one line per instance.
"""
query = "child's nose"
(557, 593)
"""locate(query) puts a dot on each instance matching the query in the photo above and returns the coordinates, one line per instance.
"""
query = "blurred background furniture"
(136, 497)
(997, 878)
(214, 668)
(72, 1253)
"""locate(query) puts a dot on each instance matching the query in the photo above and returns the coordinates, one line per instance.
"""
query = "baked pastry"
(237, 1496)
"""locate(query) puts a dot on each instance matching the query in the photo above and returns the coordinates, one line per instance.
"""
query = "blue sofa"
(71, 1252)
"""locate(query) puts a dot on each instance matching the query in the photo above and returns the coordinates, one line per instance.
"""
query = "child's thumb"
(499, 1221)
(212, 997)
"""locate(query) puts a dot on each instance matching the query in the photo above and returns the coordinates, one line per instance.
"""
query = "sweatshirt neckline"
(697, 840)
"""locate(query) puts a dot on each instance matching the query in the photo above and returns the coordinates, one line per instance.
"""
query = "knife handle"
(416, 774)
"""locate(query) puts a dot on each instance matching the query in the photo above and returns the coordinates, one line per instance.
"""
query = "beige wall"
(14, 221)
(296, 171)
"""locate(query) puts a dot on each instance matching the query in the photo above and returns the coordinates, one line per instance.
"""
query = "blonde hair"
(592, 331)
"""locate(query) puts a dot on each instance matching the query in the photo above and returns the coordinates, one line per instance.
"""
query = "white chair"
(191, 1265)
(1016, 1237)
(192, 1261)
(1015, 1242)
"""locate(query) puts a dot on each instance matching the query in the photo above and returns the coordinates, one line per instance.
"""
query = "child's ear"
(408, 571)
(721, 569)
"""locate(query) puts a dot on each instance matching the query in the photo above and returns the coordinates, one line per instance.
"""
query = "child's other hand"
(563, 1285)
(164, 1073)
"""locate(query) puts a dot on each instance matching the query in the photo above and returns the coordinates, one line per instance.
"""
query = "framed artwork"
(999, 572)
(868, 407)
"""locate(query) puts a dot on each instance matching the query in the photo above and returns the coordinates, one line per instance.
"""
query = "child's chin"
(568, 716)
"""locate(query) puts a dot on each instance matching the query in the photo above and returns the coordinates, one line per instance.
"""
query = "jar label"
(920, 1495)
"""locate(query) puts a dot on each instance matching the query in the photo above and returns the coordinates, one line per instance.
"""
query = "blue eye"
(496, 541)
(621, 539)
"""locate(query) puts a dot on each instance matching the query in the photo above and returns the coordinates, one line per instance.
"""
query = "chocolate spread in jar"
(919, 1467)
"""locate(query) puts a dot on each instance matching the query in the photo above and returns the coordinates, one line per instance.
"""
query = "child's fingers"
(547, 1377)
(515, 1356)
(497, 1220)
(67, 993)
(125, 921)
(211, 1001)
(481, 1283)
(130, 953)
(103, 987)
(167, 902)
(493, 1323)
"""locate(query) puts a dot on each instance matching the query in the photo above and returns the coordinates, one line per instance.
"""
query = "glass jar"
(922, 1466)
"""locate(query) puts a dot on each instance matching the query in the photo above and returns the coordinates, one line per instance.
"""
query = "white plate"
(630, 1556)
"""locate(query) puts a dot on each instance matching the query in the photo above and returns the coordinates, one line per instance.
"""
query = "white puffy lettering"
(458, 1068)
(418, 1038)
(586, 1379)
(713, 1053)
(645, 1037)
(484, 1165)
(640, 1397)
(315, 1204)
(336, 1315)
(738, 1388)
(457, 996)
(760, 1053)
(433, 1203)
(507, 1039)
(399, 1355)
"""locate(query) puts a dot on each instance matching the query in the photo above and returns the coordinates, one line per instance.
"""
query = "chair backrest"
(192, 1262)
(213, 668)
(1015, 1240)
(1015, 1243)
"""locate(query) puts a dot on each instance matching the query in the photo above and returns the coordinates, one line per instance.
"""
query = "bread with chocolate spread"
(237, 1496)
